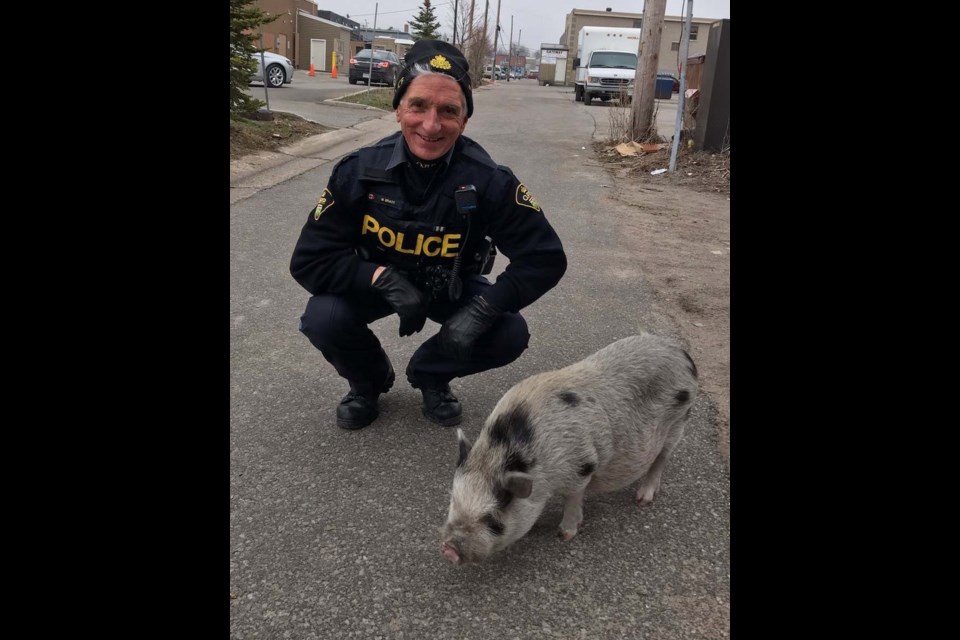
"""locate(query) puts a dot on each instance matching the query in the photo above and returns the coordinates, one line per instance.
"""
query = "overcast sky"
(534, 21)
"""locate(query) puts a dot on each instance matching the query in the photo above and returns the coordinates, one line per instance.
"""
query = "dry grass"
(250, 136)
(379, 98)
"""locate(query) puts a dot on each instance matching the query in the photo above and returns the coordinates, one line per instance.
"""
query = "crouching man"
(408, 225)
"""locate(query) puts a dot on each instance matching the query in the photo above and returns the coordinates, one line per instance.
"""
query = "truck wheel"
(587, 97)
(577, 93)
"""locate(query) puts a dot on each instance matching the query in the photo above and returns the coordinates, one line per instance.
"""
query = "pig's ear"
(465, 446)
(518, 483)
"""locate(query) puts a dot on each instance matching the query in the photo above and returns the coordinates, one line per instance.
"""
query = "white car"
(489, 69)
(279, 69)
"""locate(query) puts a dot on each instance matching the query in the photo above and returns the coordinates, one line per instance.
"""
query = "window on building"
(693, 31)
(674, 46)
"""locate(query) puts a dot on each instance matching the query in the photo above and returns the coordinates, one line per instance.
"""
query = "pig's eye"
(493, 524)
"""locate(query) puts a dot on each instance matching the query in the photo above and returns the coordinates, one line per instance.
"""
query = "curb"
(253, 173)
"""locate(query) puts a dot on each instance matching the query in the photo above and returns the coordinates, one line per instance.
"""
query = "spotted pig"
(599, 425)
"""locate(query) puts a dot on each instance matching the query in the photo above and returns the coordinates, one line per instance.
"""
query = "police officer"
(405, 226)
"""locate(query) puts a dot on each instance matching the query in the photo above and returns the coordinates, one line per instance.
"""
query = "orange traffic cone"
(312, 72)
(334, 65)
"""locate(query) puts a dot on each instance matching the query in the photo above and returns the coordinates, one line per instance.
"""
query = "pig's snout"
(450, 553)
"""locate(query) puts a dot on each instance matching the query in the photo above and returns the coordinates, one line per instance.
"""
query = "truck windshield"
(614, 59)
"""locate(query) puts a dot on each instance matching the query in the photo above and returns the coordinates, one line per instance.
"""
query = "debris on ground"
(700, 170)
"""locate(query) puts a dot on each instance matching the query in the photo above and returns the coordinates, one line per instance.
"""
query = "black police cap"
(442, 57)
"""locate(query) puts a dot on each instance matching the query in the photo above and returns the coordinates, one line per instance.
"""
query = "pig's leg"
(651, 482)
(572, 513)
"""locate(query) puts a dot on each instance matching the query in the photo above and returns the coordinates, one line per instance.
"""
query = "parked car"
(279, 69)
(676, 81)
(498, 73)
(386, 67)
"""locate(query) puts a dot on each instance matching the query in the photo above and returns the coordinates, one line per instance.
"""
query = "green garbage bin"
(664, 89)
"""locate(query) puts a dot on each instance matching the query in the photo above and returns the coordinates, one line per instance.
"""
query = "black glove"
(409, 303)
(461, 330)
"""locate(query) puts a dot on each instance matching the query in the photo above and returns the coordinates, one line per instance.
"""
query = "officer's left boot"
(441, 406)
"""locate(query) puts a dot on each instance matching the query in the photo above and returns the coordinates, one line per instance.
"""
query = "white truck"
(606, 63)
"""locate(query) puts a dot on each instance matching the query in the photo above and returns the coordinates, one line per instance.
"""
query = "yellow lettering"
(389, 234)
(400, 248)
(449, 245)
(427, 251)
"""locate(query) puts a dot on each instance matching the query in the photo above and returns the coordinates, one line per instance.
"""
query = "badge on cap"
(439, 62)
(526, 199)
(324, 203)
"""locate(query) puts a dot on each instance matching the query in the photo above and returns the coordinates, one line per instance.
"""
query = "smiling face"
(432, 115)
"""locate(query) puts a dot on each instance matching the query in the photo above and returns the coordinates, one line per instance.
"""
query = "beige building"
(670, 53)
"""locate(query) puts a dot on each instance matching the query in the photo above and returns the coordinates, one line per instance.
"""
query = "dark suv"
(385, 67)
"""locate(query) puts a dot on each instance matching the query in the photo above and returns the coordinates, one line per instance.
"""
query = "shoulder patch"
(526, 199)
(324, 203)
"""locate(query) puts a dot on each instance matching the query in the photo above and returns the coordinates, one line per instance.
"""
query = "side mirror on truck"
(576, 62)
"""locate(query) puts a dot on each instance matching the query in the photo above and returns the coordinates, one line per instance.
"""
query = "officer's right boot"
(356, 410)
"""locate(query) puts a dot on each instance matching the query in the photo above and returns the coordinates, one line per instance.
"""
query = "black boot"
(356, 410)
(441, 406)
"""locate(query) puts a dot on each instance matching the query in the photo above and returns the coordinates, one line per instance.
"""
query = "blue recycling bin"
(664, 89)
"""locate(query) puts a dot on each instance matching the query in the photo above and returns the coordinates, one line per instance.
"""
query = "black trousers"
(337, 326)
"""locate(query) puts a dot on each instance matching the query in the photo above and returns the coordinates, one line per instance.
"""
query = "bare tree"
(471, 40)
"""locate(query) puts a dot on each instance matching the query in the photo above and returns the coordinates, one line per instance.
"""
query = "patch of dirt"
(699, 170)
(678, 225)
(250, 136)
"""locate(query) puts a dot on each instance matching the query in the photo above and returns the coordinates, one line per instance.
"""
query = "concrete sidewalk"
(252, 173)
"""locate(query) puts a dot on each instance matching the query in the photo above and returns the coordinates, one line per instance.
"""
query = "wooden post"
(643, 127)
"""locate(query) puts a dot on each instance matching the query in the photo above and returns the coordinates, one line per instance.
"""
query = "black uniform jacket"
(368, 209)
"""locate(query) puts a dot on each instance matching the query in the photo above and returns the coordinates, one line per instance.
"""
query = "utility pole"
(470, 33)
(643, 127)
(510, 52)
(455, 2)
(678, 128)
(496, 30)
(372, 39)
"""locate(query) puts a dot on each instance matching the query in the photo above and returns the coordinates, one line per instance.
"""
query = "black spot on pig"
(682, 396)
(570, 398)
(493, 524)
(512, 427)
(516, 462)
(587, 468)
(502, 496)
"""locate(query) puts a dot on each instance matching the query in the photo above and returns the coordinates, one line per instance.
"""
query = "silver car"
(279, 69)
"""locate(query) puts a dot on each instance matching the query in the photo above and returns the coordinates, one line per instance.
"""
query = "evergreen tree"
(425, 26)
(244, 21)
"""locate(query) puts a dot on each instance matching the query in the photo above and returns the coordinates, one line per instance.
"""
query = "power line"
(382, 13)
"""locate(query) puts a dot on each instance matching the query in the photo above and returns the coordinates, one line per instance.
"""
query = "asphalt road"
(334, 534)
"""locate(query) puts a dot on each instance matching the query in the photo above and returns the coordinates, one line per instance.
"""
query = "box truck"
(606, 63)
